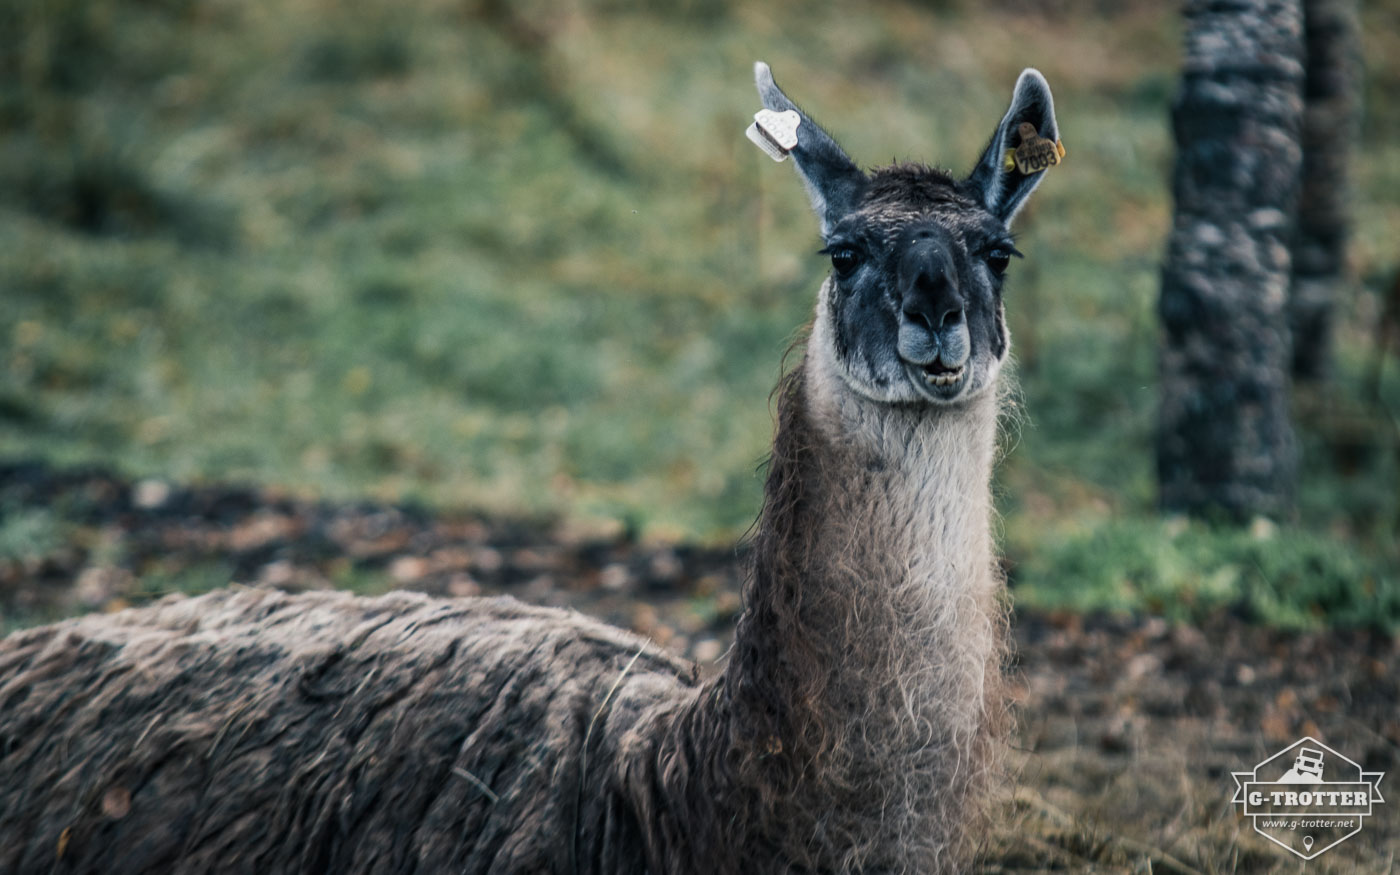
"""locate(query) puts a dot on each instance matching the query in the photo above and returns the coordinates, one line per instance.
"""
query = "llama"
(853, 729)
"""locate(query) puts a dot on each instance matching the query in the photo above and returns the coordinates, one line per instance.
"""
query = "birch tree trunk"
(1330, 116)
(1225, 443)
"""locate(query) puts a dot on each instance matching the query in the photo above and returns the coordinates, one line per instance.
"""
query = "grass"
(1187, 571)
(526, 262)
(27, 535)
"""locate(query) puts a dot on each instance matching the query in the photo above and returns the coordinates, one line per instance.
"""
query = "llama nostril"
(918, 317)
(929, 318)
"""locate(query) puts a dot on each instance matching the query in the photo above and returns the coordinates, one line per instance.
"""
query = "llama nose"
(932, 300)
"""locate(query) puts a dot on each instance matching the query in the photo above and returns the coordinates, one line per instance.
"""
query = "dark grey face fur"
(914, 298)
(913, 304)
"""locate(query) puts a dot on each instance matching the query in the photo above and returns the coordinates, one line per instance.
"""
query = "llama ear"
(833, 181)
(1004, 190)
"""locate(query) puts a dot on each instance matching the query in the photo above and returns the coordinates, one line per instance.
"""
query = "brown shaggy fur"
(251, 731)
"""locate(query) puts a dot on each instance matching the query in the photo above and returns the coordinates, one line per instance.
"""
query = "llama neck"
(861, 689)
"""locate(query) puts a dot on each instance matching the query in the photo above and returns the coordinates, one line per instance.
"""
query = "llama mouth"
(935, 373)
(938, 383)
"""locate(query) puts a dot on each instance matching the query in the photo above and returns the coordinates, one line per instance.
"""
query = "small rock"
(1141, 666)
(1154, 628)
(150, 494)
(1189, 639)
(707, 650)
(408, 569)
(487, 560)
(462, 586)
(279, 573)
(615, 577)
(260, 530)
(644, 619)
(451, 559)
(665, 567)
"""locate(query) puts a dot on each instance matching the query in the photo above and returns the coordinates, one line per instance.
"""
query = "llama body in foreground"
(853, 729)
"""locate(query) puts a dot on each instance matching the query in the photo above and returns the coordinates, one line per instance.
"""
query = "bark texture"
(1330, 125)
(1225, 443)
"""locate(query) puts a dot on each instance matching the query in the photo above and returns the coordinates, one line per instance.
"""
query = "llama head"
(912, 309)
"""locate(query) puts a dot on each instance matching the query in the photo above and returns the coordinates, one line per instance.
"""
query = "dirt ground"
(1129, 729)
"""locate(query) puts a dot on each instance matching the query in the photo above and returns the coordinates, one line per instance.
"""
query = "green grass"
(1289, 579)
(27, 535)
(529, 264)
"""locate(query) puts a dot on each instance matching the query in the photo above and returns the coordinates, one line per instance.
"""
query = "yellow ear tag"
(1035, 153)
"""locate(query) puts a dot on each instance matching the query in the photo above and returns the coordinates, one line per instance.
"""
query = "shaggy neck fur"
(854, 727)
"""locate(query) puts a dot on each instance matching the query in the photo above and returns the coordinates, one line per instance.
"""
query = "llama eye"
(844, 261)
(998, 260)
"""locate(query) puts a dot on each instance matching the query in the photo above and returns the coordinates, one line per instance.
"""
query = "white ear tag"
(774, 132)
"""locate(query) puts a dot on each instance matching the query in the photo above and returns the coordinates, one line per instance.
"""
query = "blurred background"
(520, 259)
(477, 296)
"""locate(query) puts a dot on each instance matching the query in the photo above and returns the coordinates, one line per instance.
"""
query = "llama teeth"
(945, 379)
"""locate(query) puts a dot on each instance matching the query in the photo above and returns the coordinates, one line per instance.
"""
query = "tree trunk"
(1225, 444)
(1330, 110)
